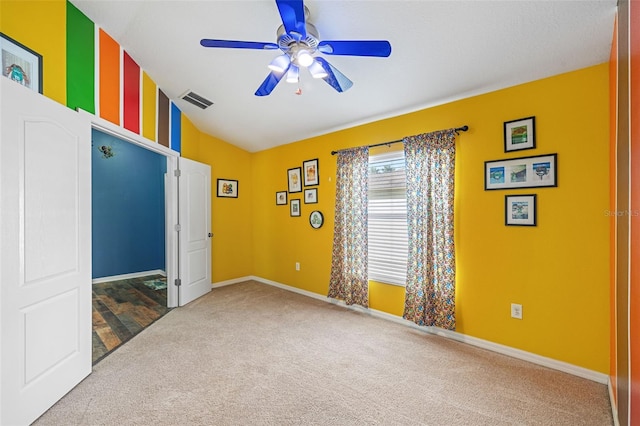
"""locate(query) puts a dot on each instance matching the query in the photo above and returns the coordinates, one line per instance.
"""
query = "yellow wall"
(558, 270)
(41, 26)
(231, 217)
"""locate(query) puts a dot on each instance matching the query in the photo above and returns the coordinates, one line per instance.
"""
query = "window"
(387, 218)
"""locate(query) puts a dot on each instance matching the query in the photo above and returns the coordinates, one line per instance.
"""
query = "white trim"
(474, 341)
(128, 276)
(229, 282)
(126, 134)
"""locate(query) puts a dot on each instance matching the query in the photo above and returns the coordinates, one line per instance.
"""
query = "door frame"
(171, 195)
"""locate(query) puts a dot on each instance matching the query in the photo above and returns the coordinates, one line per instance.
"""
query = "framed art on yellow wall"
(520, 210)
(21, 64)
(295, 179)
(227, 188)
(311, 172)
(520, 134)
(524, 172)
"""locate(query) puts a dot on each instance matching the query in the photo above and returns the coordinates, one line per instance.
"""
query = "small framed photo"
(316, 219)
(311, 172)
(311, 196)
(227, 188)
(21, 64)
(295, 207)
(281, 198)
(525, 172)
(295, 179)
(520, 134)
(520, 210)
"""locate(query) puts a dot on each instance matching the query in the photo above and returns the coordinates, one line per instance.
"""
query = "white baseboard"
(474, 341)
(229, 282)
(128, 276)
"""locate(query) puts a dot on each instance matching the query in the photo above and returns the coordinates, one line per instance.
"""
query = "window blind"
(387, 218)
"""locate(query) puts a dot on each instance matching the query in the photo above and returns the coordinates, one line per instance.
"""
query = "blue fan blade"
(335, 78)
(292, 14)
(234, 44)
(381, 48)
(270, 83)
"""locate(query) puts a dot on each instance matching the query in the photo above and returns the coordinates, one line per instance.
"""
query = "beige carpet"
(255, 354)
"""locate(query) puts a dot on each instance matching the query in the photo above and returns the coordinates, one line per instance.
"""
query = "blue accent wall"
(128, 207)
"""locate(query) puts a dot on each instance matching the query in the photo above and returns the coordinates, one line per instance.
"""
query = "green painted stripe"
(80, 61)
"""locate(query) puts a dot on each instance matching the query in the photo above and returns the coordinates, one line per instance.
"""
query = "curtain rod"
(457, 129)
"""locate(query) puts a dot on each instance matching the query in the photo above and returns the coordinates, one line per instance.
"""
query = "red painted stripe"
(131, 94)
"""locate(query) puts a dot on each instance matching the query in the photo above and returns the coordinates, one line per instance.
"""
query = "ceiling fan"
(299, 41)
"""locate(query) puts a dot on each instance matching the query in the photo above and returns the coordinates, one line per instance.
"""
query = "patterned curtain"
(430, 289)
(349, 266)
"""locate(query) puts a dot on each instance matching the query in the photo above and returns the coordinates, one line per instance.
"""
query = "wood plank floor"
(122, 309)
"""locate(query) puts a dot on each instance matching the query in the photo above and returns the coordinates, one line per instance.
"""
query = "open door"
(194, 217)
(45, 252)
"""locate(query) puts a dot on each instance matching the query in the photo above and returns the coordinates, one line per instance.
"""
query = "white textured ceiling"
(441, 51)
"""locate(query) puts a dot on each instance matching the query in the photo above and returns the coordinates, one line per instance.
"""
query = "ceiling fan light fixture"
(280, 63)
(304, 58)
(293, 74)
(316, 70)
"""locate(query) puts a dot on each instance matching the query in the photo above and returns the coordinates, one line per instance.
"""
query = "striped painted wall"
(103, 79)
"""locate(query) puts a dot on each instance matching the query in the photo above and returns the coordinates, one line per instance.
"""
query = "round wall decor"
(316, 219)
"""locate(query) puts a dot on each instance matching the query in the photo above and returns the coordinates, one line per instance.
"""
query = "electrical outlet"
(297, 266)
(516, 311)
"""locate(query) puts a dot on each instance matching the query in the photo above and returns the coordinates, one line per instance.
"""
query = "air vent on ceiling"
(197, 100)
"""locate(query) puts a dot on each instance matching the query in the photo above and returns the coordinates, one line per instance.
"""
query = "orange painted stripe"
(109, 78)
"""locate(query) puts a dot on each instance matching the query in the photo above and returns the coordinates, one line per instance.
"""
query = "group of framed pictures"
(534, 171)
(298, 179)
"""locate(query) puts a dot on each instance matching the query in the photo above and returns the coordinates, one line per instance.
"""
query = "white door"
(45, 252)
(194, 201)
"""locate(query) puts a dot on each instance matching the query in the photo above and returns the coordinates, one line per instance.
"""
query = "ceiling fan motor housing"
(291, 45)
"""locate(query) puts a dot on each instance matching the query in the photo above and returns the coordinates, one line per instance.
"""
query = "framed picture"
(311, 196)
(21, 64)
(525, 172)
(520, 210)
(520, 134)
(295, 179)
(295, 207)
(311, 172)
(281, 198)
(227, 188)
(316, 219)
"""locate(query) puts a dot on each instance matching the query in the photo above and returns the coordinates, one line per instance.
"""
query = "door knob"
(210, 235)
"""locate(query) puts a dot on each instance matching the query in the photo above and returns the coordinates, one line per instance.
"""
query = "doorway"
(129, 274)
